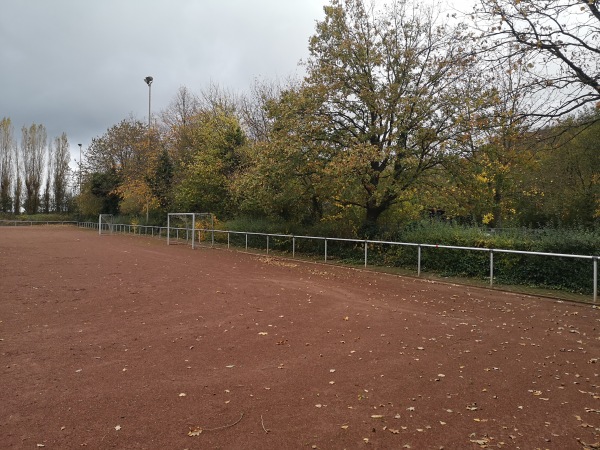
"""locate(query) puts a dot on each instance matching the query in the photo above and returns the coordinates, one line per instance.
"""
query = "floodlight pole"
(79, 169)
(149, 81)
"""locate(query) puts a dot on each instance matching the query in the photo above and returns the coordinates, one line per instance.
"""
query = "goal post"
(105, 224)
(184, 226)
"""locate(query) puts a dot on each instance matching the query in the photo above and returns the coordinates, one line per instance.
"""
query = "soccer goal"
(190, 228)
(105, 224)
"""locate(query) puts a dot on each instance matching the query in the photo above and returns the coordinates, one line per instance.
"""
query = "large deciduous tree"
(126, 154)
(203, 182)
(379, 104)
(557, 40)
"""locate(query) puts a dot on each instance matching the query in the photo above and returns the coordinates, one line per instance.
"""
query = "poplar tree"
(7, 149)
(33, 147)
(60, 172)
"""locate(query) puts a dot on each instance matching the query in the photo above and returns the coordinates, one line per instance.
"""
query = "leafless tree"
(253, 109)
(179, 112)
(60, 172)
(33, 146)
(562, 38)
(7, 148)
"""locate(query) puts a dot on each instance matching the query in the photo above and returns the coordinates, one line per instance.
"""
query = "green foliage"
(204, 180)
(99, 194)
(52, 217)
(552, 272)
(160, 180)
(379, 108)
(566, 182)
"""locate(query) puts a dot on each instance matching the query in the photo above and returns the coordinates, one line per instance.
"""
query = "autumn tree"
(177, 120)
(384, 86)
(564, 185)
(555, 40)
(253, 109)
(7, 149)
(283, 176)
(126, 154)
(203, 183)
(33, 148)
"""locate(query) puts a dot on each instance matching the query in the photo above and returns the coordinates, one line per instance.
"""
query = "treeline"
(402, 115)
(34, 173)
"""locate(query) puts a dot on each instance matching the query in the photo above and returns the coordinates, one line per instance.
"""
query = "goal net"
(105, 224)
(190, 228)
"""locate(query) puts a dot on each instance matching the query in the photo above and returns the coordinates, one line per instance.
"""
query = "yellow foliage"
(488, 218)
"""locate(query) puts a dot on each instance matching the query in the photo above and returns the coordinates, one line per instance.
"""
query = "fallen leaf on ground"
(195, 431)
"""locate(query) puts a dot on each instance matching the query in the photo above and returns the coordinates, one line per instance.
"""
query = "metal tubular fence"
(254, 239)
(24, 223)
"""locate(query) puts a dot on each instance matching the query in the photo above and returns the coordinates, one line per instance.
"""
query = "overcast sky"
(78, 66)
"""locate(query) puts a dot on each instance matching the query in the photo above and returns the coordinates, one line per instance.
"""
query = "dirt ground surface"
(125, 342)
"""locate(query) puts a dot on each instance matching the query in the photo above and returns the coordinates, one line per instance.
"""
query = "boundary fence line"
(162, 231)
(22, 223)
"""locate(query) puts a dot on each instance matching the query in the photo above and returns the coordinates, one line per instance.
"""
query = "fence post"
(293, 246)
(365, 253)
(491, 267)
(595, 279)
(228, 239)
(267, 244)
(194, 231)
(246, 241)
(419, 260)
(325, 249)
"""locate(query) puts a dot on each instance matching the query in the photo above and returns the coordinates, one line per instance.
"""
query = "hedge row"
(574, 275)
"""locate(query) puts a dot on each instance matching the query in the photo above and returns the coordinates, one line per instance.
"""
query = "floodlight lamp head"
(148, 80)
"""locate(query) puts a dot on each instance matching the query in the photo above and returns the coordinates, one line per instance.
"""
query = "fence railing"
(29, 223)
(365, 244)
